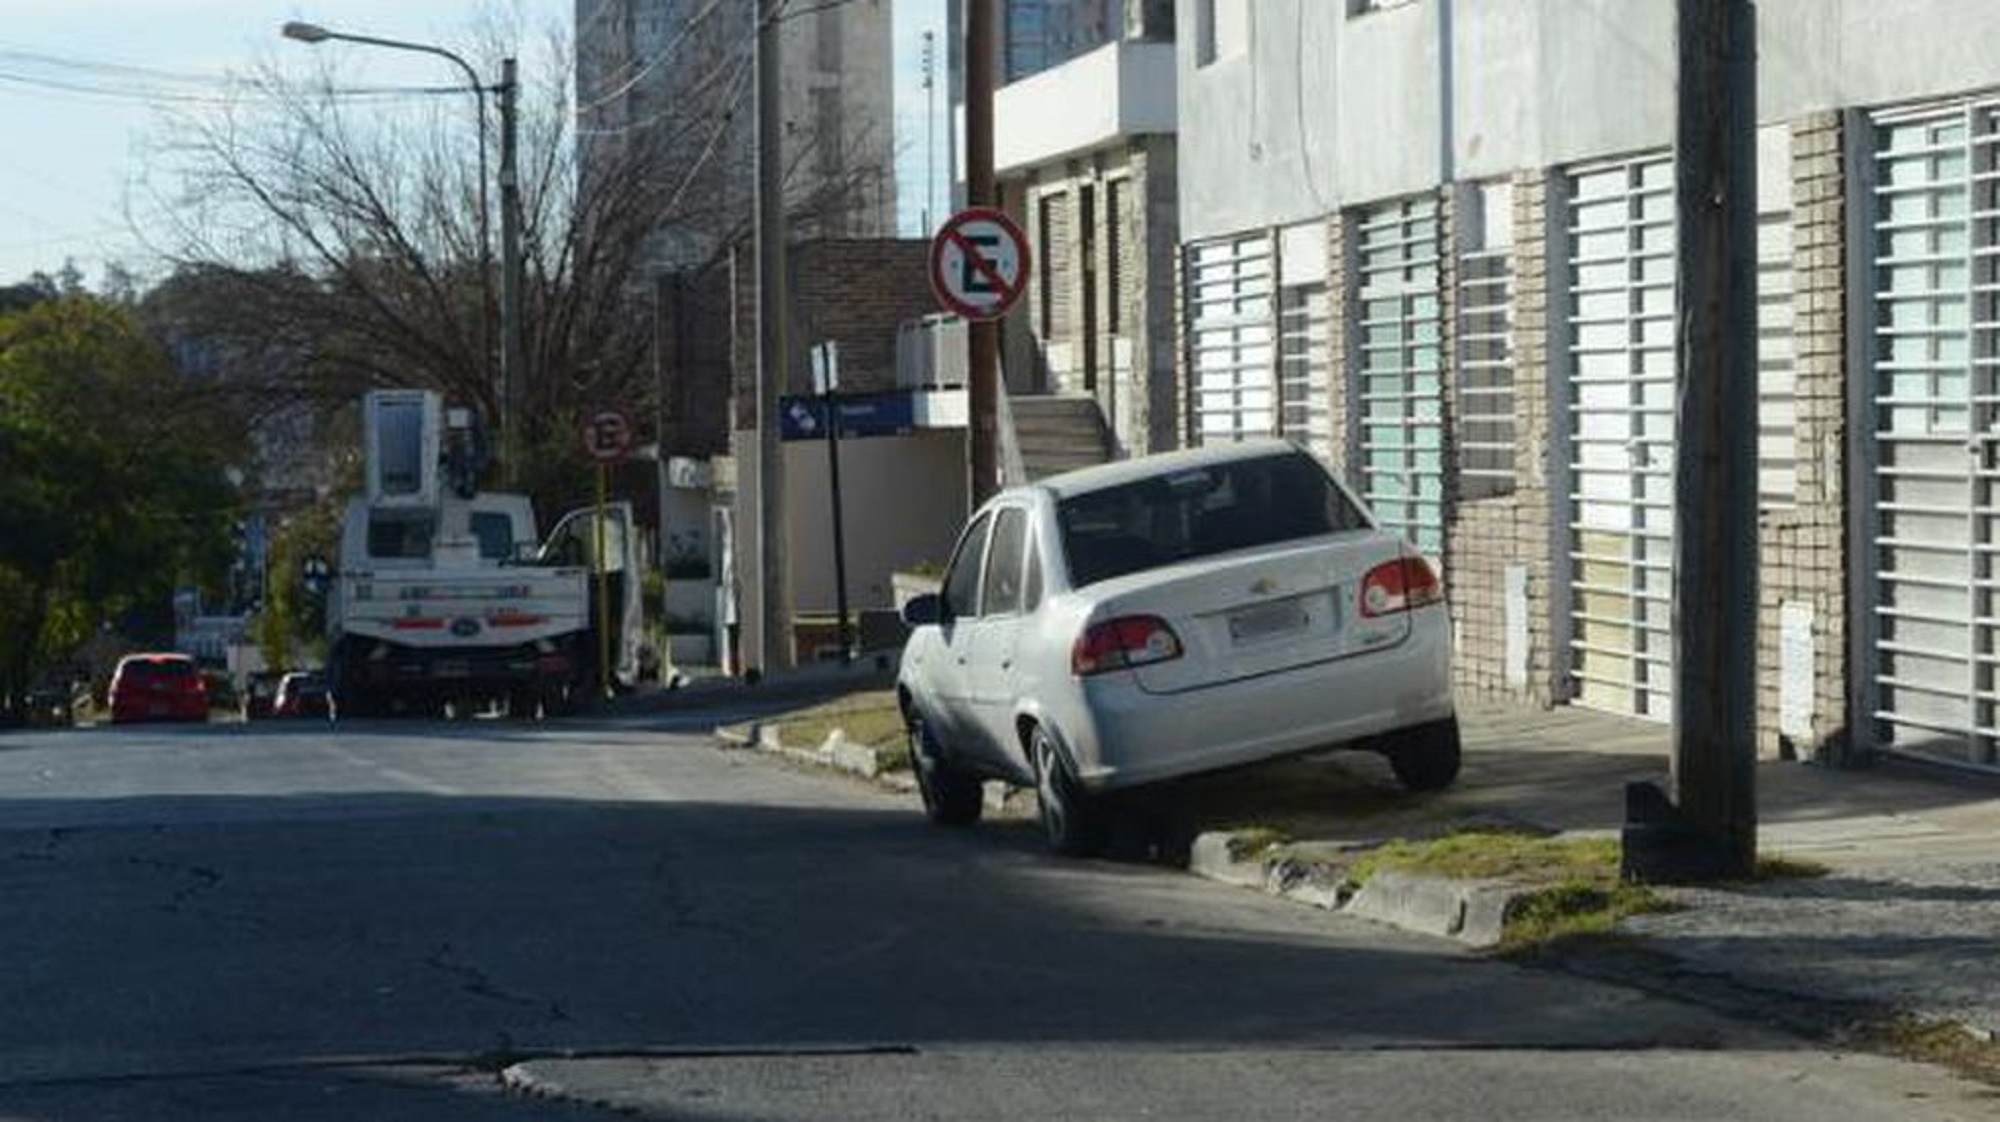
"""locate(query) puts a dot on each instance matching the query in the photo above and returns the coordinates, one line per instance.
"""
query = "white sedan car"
(1170, 615)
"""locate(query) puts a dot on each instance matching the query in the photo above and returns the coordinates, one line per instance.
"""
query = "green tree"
(291, 628)
(112, 487)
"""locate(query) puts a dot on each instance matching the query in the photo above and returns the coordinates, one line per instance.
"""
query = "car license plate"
(1282, 617)
(454, 668)
(156, 709)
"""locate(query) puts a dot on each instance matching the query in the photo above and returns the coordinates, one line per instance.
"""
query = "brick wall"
(1802, 551)
(1154, 235)
(854, 292)
(1134, 365)
(1486, 537)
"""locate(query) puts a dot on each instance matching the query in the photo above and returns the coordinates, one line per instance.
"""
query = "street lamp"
(510, 237)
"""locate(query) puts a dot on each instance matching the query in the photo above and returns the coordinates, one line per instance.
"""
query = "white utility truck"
(443, 596)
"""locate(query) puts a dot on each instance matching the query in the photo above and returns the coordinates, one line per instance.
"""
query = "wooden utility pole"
(1711, 830)
(773, 351)
(983, 360)
(513, 353)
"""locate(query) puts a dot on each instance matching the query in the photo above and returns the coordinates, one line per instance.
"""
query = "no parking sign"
(979, 263)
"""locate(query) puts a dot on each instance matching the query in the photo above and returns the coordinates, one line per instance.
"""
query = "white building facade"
(1434, 240)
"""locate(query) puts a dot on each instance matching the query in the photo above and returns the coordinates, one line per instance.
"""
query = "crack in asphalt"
(681, 910)
(186, 900)
(475, 981)
(52, 840)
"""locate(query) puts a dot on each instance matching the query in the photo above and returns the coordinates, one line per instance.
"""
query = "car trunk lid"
(1260, 612)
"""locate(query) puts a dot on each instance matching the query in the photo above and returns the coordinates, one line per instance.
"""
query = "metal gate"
(1231, 338)
(1620, 241)
(1305, 339)
(1933, 407)
(1400, 331)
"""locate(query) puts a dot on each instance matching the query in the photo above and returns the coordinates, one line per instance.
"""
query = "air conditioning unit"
(931, 353)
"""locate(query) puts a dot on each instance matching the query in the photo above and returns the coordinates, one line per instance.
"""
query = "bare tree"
(332, 242)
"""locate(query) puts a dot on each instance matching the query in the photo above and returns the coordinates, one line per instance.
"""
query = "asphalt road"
(419, 921)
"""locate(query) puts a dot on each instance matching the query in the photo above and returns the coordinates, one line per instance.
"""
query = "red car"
(158, 687)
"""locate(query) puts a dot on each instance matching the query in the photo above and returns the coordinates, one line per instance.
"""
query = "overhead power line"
(160, 96)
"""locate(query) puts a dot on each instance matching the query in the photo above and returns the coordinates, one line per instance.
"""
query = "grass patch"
(1945, 1043)
(869, 718)
(1576, 910)
(1578, 892)
(1497, 855)
(893, 756)
(1777, 866)
(1254, 841)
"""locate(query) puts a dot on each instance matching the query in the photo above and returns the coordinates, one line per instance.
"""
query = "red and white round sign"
(979, 263)
(607, 436)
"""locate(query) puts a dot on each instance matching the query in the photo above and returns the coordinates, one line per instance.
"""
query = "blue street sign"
(889, 413)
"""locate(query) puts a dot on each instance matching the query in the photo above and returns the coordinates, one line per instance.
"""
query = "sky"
(82, 83)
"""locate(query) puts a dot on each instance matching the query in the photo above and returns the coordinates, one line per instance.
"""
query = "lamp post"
(510, 238)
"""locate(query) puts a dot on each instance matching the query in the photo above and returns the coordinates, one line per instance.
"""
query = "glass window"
(495, 532)
(400, 534)
(1200, 512)
(1001, 594)
(961, 583)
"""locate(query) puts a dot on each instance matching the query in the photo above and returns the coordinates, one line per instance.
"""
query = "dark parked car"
(259, 692)
(301, 694)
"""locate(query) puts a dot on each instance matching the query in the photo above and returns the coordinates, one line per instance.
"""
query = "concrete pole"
(1712, 826)
(983, 370)
(773, 351)
(513, 375)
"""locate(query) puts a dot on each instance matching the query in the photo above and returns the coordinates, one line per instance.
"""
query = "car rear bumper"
(1129, 737)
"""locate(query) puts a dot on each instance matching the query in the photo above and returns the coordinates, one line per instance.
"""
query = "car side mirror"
(927, 607)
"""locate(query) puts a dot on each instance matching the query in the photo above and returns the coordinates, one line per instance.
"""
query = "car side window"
(1002, 591)
(961, 581)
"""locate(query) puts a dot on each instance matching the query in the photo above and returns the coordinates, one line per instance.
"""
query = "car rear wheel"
(1071, 821)
(1425, 758)
(951, 798)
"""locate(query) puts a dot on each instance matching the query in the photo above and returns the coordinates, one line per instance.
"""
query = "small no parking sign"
(979, 263)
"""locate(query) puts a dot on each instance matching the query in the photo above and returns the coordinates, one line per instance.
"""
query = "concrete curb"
(1472, 912)
(835, 753)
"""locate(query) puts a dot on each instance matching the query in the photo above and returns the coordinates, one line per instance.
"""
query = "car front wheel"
(1072, 822)
(951, 798)
(1425, 758)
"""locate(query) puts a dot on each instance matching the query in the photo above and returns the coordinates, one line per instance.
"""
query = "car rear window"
(1199, 512)
(160, 668)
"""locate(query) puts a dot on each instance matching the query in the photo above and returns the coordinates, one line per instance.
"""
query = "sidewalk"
(1904, 923)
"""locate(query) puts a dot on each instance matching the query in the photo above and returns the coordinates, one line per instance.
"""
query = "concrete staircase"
(1056, 433)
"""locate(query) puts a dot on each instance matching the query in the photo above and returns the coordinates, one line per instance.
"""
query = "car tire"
(1072, 822)
(1427, 757)
(951, 798)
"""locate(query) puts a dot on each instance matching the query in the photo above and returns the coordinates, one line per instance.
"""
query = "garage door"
(1935, 416)
(1231, 338)
(1621, 331)
(1400, 329)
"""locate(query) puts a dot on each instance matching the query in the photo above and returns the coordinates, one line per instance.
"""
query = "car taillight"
(1398, 586)
(1117, 644)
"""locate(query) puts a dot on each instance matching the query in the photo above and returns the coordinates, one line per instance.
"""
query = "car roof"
(155, 656)
(1100, 476)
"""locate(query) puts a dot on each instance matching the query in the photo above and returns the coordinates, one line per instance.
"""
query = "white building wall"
(1326, 109)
